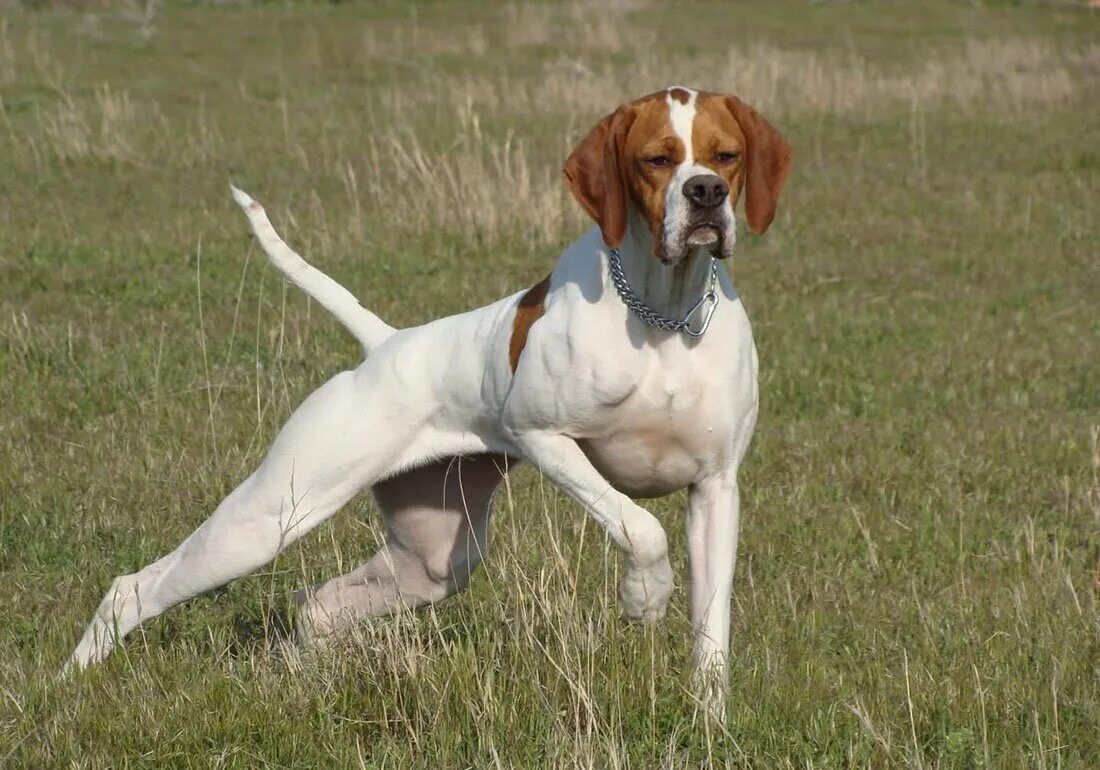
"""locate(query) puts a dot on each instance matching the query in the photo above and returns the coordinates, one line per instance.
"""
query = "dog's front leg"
(647, 585)
(713, 522)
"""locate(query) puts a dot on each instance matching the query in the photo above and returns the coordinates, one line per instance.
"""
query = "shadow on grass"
(263, 634)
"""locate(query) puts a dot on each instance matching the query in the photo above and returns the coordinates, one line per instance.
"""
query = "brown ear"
(768, 160)
(595, 178)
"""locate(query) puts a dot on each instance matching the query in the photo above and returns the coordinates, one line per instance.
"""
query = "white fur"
(600, 403)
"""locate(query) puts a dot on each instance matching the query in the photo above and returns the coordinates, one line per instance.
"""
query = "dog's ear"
(768, 162)
(595, 177)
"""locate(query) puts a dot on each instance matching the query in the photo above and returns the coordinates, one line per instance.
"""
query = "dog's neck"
(671, 290)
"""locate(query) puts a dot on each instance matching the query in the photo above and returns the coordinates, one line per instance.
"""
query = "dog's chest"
(675, 422)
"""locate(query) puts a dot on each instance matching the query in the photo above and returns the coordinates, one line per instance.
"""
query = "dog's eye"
(726, 157)
(659, 161)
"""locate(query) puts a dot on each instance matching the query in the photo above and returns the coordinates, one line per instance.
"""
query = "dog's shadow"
(267, 634)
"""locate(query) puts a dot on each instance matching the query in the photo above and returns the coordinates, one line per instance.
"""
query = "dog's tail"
(368, 328)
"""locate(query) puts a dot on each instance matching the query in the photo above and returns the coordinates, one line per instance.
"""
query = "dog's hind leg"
(437, 524)
(342, 438)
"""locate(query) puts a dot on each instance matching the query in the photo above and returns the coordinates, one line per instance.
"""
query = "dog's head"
(676, 162)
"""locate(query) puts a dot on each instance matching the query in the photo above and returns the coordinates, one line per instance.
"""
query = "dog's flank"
(364, 325)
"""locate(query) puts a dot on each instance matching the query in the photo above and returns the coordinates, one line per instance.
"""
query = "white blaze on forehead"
(681, 116)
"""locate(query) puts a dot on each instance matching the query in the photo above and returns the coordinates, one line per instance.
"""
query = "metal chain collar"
(655, 319)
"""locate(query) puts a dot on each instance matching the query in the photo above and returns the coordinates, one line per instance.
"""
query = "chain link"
(652, 317)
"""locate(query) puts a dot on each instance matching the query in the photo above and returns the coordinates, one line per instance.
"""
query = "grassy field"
(919, 582)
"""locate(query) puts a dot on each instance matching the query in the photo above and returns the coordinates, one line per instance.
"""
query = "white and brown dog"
(600, 376)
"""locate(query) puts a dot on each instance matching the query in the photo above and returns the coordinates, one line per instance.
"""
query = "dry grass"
(500, 191)
(985, 74)
(103, 130)
(402, 180)
(497, 174)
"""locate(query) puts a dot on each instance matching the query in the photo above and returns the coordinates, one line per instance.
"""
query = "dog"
(629, 372)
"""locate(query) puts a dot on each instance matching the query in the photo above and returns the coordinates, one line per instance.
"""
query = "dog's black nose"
(706, 190)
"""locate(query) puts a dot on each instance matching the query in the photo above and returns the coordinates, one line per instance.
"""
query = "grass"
(920, 563)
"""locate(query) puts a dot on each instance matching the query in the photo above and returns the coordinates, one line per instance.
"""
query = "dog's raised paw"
(644, 592)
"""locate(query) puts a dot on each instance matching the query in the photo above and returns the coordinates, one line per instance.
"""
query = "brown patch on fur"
(601, 169)
(595, 177)
(680, 95)
(765, 162)
(652, 136)
(529, 310)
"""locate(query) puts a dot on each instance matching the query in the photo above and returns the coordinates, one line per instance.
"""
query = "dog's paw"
(710, 686)
(644, 592)
(304, 632)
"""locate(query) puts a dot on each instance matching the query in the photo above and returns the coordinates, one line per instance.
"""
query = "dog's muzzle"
(706, 227)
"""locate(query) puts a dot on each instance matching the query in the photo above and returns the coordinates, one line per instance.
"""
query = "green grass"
(920, 561)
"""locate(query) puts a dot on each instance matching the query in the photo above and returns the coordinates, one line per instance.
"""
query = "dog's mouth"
(712, 237)
(705, 234)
